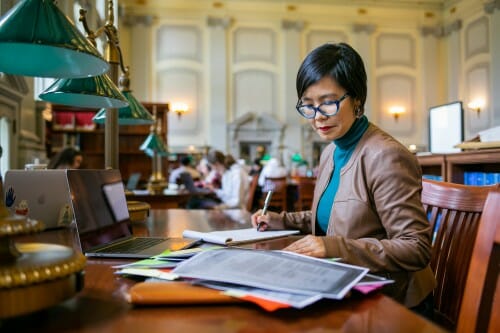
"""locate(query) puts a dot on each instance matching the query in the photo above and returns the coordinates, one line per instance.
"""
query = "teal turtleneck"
(344, 148)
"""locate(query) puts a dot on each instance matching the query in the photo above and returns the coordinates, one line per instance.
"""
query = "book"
(238, 236)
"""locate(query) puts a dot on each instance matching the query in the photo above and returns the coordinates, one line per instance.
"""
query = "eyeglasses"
(327, 109)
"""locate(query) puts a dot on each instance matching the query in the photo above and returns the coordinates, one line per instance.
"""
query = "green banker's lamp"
(155, 148)
(103, 92)
(37, 39)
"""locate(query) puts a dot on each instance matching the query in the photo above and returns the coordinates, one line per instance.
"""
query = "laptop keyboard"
(132, 246)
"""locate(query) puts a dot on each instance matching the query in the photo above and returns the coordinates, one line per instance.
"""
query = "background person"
(367, 208)
(68, 158)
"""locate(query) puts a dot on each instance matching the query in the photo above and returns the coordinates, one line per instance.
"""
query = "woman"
(234, 182)
(68, 158)
(366, 207)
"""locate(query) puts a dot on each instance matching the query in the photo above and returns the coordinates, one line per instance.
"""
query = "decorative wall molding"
(452, 27)
(366, 28)
(219, 22)
(436, 31)
(293, 25)
(256, 127)
(186, 38)
(388, 43)
(254, 44)
(316, 38)
(491, 5)
(473, 43)
(254, 90)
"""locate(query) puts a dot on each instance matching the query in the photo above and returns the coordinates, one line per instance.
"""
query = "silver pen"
(264, 209)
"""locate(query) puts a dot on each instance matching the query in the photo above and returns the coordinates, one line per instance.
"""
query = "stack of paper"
(272, 279)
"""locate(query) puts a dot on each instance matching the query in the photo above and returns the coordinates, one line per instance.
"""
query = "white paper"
(298, 301)
(237, 236)
(273, 270)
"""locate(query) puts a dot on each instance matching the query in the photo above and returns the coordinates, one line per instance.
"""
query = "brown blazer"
(377, 220)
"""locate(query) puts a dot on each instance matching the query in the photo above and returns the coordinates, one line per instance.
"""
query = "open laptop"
(102, 218)
(133, 181)
(39, 194)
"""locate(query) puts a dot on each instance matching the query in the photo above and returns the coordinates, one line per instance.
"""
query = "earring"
(359, 112)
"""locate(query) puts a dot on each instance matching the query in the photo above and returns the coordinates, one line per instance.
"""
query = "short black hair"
(186, 160)
(338, 61)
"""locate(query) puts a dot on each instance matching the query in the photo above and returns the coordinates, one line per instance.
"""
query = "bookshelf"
(90, 139)
(457, 167)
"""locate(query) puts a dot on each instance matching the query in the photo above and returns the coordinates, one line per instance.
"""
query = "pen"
(264, 209)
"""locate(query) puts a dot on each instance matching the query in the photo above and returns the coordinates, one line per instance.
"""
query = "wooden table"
(101, 306)
(162, 201)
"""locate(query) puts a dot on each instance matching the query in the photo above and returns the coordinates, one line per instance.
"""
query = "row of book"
(481, 178)
(473, 178)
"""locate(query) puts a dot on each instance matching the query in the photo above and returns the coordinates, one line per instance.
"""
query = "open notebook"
(102, 218)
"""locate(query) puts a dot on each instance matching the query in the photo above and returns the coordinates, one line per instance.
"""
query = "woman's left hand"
(309, 245)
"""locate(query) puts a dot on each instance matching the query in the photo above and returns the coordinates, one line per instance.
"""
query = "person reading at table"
(366, 208)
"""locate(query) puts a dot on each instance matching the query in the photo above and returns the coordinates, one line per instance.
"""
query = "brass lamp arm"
(111, 33)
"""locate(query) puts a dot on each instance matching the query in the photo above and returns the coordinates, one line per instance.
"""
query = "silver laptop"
(41, 195)
(102, 218)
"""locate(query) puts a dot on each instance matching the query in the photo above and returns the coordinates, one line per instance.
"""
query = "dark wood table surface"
(102, 307)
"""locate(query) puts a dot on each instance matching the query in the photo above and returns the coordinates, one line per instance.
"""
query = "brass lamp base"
(34, 276)
(157, 186)
(138, 210)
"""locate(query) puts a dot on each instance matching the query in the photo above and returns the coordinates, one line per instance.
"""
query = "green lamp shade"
(92, 92)
(37, 39)
(152, 144)
(133, 114)
(296, 158)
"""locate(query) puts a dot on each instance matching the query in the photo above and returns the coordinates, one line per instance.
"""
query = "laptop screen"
(99, 205)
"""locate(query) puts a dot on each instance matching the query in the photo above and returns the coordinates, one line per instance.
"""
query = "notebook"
(102, 218)
(41, 195)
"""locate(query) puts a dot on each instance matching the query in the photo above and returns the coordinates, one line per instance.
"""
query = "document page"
(274, 270)
(236, 236)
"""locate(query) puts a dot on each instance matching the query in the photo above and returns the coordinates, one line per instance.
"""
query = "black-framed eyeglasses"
(328, 108)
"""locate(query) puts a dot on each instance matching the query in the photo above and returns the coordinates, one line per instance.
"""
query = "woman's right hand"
(270, 221)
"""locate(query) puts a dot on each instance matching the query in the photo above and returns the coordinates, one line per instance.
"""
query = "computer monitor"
(446, 127)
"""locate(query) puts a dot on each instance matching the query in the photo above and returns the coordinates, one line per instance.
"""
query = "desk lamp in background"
(155, 148)
(89, 93)
(37, 39)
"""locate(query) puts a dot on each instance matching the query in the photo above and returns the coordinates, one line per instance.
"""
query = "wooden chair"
(252, 189)
(279, 199)
(480, 311)
(305, 192)
(453, 211)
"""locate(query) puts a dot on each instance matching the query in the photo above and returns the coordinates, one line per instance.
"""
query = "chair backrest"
(254, 183)
(279, 188)
(453, 211)
(480, 311)
(305, 192)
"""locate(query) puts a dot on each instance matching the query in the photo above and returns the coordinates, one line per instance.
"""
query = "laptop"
(133, 181)
(41, 195)
(102, 218)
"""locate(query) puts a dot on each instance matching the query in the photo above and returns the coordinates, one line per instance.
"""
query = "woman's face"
(332, 127)
(77, 162)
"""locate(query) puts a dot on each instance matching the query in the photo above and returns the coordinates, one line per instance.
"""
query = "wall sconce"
(180, 108)
(476, 105)
(396, 111)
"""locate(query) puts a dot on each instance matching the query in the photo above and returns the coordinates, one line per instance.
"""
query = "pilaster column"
(291, 61)
(218, 108)
(362, 40)
(451, 32)
(493, 9)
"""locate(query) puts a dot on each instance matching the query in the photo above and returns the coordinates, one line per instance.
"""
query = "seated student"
(184, 167)
(272, 169)
(367, 208)
(68, 158)
(234, 183)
